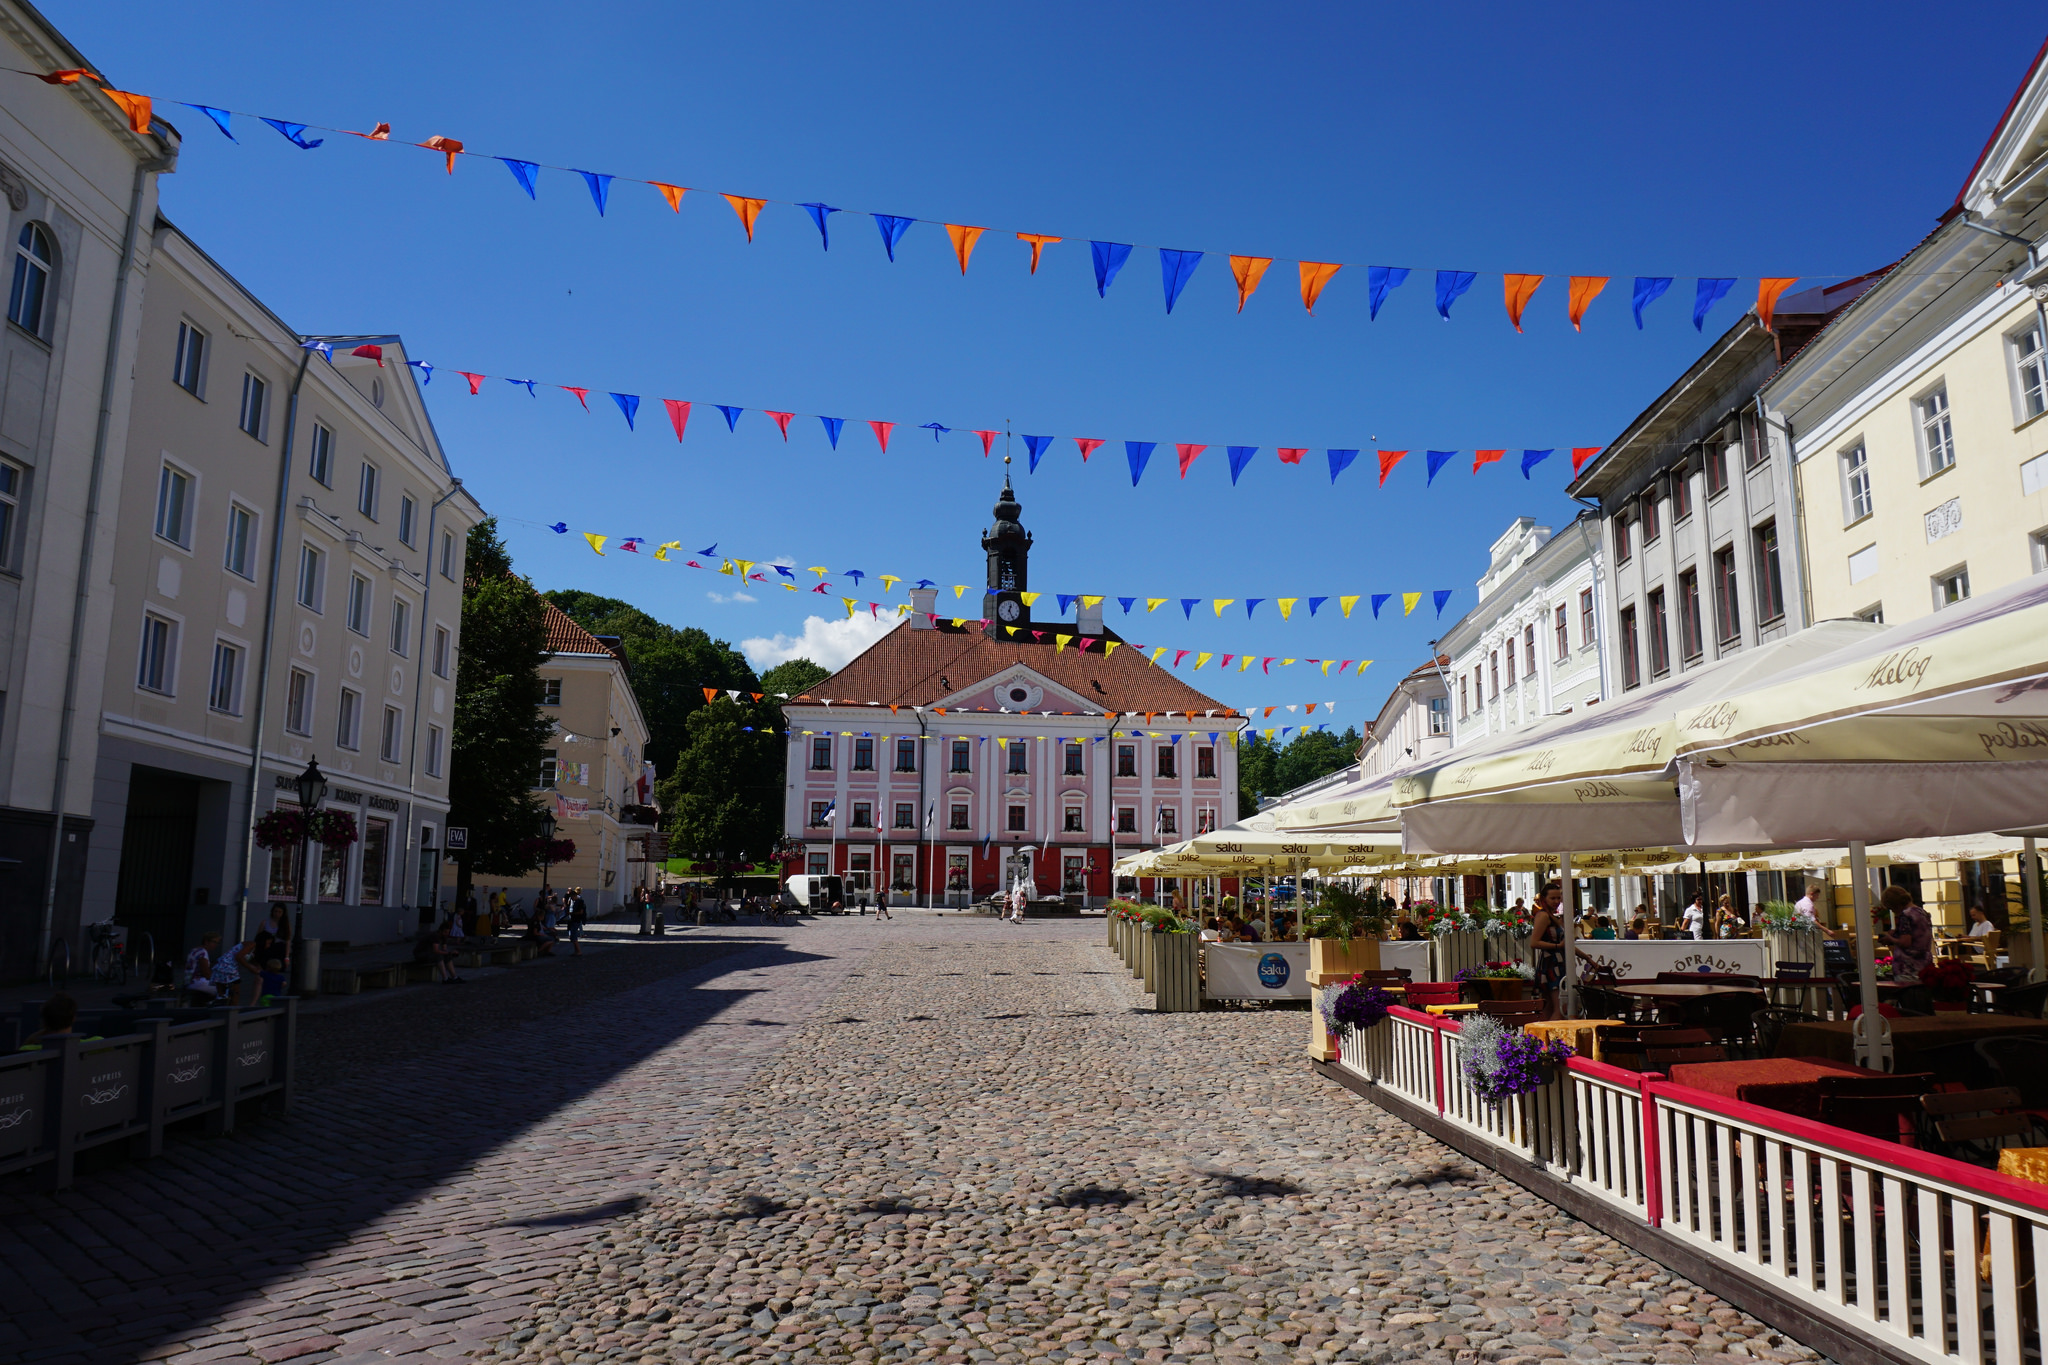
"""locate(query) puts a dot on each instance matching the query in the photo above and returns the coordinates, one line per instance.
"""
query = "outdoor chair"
(2021, 1063)
(1516, 1012)
(1423, 994)
(1767, 1026)
(1889, 1118)
(1628, 1046)
(1662, 1057)
(1795, 971)
(2025, 1001)
(1960, 1066)
(1972, 1125)
(1602, 1003)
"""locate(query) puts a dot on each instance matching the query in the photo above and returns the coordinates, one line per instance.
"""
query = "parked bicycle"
(105, 957)
(59, 964)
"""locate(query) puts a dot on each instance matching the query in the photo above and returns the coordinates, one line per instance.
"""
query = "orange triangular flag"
(1249, 271)
(66, 77)
(1314, 275)
(1517, 289)
(710, 694)
(747, 209)
(447, 146)
(381, 133)
(136, 107)
(1388, 459)
(1038, 242)
(1585, 288)
(1767, 292)
(782, 421)
(892, 708)
(964, 239)
(672, 193)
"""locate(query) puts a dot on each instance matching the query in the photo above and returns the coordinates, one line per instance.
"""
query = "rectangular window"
(1074, 820)
(434, 742)
(1511, 660)
(1855, 483)
(1951, 587)
(906, 755)
(1205, 761)
(1714, 460)
(1126, 760)
(174, 506)
(962, 756)
(1073, 760)
(408, 512)
(1205, 820)
(1651, 528)
(1464, 696)
(1622, 548)
(1166, 760)
(863, 815)
(254, 392)
(550, 691)
(1681, 493)
(159, 654)
(1585, 617)
(1691, 639)
(1493, 674)
(298, 703)
(1169, 821)
(1479, 687)
(10, 509)
(447, 554)
(864, 755)
(444, 650)
(376, 860)
(391, 742)
(550, 769)
(1018, 756)
(819, 864)
(1660, 636)
(1727, 605)
(821, 752)
(401, 626)
(227, 676)
(1126, 820)
(2030, 372)
(818, 816)
(2037, 550)
(366, 491)
(1563, 633)
(359, 604)
(1631, 659)
(188, 368)
(906, 815)
(320, 456)
(1755, 449)
(348, 720)
(1439, 715)
(1528, 651)
(241, 548)
(958, 818)
(284, 867)
(1937, 438)
(1770, 585)
(1017, 817)
(312, 578)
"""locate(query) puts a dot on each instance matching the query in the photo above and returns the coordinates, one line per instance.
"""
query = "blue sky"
(1741, 140)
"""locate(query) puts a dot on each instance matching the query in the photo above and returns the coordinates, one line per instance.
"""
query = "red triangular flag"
(476, 381)
(375, 353)
(447, 146)
(782, 421)
(1480, 457)
(1187, 456)
(882, 430)
(986, 438)
(1291, 454)
(1581, 454)
(582, 395)
(1089, 445)
(1388, 459)
(678, 414)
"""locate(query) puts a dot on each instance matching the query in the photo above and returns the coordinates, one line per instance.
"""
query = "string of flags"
(786, 577)
(1106, 259)
(712, 694)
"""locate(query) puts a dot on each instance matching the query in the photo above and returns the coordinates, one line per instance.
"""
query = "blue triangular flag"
(1137, 452)
(1532, 458)
(426, 371)
(1109, 258)
(326, 349)
(1437, 460)
(1240, 456)
(1175, 268)
(527, 384)
(732, 416)
(1249, 603)
(856, 574)
(1188, 605)
(1708, 294)
(1442, 595)
(934, 428)
(629, 403)
(525, 172)
(832, 426)
(1379, 279)
(818, 212)
(1126, 602)
(600, 188)
(1340, 460)
(1315, 602)
(294, 133)
(1450, 284)
(893, 229)
(1036, 445)
(219, 117)
(1067, 600)
(1379, 599)
(560, 528)
(1649, 288)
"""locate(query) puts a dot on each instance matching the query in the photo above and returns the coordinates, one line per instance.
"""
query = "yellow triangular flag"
(1269, 732)
(959, 621)
(1059, 643)
(1157, 652)
(1029, 597)
(1154, 603)
(1002, 742)
(1286, 662)
(596, 543)
(889, 580)
(1109, 647)
(726, 567)
(958, 588)
(1326, 668)
(667, 545)
(1363, 664)
(1201, 659)
(1408, 601)
(1244, 661)
(1287, 608)
(1348, 603)
(902, 607)
(818, 569)
(790, 586)
(1223, 602)
(746, 566)
(1091, 602)
(850, 604)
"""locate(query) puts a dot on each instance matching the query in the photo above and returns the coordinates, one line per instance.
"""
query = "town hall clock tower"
(1009, 547)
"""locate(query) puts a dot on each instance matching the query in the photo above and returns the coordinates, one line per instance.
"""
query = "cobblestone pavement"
(941, 1139)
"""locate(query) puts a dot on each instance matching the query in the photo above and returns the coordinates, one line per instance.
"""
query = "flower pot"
(1496, 988)
(1452, 952)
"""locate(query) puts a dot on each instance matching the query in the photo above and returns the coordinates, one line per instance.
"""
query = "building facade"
(956, 757)
(80, 192)
(289, 580)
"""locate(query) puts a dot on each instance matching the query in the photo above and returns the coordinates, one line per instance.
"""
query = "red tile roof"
(904, 667)
(566, 637)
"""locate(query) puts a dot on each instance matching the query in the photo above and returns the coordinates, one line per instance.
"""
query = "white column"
(1864, 1033)
(2030, 877)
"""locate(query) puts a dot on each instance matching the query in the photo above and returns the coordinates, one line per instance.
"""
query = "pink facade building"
(950, 760)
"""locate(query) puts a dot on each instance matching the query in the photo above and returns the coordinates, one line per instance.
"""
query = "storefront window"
(376, 857)
(284, 867)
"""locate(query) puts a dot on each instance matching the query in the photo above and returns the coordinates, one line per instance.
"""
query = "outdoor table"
(1582, 1034)
(1911, 1036)
(2025, 1163)
(1684, 990)
(1790, 1085)
(1451, 1009)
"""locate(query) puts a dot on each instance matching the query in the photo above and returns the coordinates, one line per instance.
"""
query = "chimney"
(1087, 619)
(923, 602)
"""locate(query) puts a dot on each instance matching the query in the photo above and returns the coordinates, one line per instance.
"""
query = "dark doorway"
(157, 836)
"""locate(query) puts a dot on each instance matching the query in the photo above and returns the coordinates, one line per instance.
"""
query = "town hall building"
(957, 756)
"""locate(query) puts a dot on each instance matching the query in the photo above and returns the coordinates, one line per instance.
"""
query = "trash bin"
(308, 966)
(646, 920)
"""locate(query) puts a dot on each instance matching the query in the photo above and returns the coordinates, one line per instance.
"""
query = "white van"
(816, 894)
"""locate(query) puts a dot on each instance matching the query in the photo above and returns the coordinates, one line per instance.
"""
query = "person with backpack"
(578, 915)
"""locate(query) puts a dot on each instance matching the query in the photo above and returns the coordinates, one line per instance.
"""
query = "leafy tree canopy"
(1268, 769)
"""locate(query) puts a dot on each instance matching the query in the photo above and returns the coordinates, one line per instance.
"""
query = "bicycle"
(107, 963)
(59, 966)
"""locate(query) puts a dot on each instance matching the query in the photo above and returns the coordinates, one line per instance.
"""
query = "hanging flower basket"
(1355, 1005)
(1501, 1061)
(334, 828)
(289, 827)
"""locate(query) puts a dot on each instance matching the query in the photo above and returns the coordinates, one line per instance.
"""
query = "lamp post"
(547, 852)
(312, 785)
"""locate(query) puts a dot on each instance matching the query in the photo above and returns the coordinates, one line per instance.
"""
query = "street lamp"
(547, 851)
(312, 785)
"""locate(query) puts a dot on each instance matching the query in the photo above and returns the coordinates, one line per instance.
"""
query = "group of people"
(249, 971)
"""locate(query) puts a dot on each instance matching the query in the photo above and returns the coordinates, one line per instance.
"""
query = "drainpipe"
(102, 430)
(419, 682)
(1798, 501)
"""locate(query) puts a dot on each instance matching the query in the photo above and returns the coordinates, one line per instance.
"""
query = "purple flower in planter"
(1500, 1062)
(1356, 1006)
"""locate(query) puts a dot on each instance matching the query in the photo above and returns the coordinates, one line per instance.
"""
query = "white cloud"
(829, 644)
(732, 597)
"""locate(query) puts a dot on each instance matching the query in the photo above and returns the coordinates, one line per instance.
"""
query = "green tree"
(1267, 769)
(725, 794)
(793, 677)
(500, 734)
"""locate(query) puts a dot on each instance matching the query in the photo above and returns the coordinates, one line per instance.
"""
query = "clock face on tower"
(1009, 611)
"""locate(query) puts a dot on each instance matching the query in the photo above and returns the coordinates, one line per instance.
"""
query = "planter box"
(1177, 973)
(1453, 952)
(380, 978)
(1496, 988)
(338, 981)
(1794, 945)
(1148, 957)
(1331, 960)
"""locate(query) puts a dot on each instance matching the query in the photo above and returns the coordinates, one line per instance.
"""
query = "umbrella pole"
(2030, 881)
(1568, 1000)
(1865, 1031)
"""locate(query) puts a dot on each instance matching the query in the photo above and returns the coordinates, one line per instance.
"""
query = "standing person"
(578, 914)
(1805, 905)
(273, 938)
(1019, 898)
(1694, 922)
(1726, 922)
(1546, 941)
(231, 966)
(1911, 936)
(199, 988)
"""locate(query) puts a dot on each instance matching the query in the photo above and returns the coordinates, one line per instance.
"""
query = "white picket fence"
(1917, 1256)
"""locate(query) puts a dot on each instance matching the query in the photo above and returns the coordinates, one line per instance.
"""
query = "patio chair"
(1516, 1012)
(1394, 976)
(2025, 1001)
(1889, 1118)
(1972, 1125)
(1767, 1026)
(2021, 1063)
(1602, 1003)
(1960, 1066)
(1629, 1045)
(1795, 971)
(1664, 1057)
(1423, 994)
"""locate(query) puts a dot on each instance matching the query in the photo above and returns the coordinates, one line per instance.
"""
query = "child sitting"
(273, 982)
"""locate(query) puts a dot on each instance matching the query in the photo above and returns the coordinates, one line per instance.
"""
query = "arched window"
(28, 302)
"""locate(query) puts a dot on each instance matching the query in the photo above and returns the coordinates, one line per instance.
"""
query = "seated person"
(1406, 931)
(272, 981)
(1211, 932)
(1247, 932)
(59, 1013)
(1603, 928)
(538, 931)
(1639, 928)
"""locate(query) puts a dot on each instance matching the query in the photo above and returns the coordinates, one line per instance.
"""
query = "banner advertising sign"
(1647, 957)
(1256, 971)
